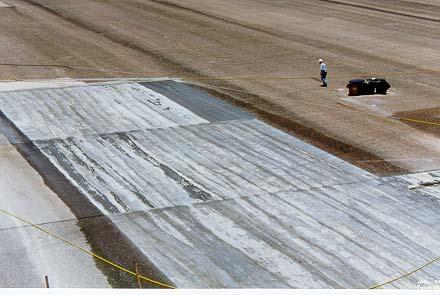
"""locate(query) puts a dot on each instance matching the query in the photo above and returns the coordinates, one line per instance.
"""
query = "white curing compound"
(72, 111)
(160, 168)
(343, 236)
(236, 203)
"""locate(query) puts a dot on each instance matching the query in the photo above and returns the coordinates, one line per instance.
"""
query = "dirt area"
(418, 117)
(259, 40)
(357, 156)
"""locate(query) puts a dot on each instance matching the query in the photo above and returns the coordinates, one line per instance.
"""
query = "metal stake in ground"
(46, 281)
(137, 275)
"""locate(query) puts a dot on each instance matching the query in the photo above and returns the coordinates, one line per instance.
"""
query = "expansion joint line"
(96, 256)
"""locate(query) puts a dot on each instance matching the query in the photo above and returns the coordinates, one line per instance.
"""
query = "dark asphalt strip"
(102, 234)
(199, 102)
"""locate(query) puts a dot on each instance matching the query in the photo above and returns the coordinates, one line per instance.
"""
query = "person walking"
(323, 67)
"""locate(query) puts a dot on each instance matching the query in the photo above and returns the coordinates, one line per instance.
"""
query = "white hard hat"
(320, 60)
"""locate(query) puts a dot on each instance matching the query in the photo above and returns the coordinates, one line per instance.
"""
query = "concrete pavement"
(207, 201)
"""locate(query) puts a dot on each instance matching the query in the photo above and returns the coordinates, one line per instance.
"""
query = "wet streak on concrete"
(92, 109)
(79, 205)
(103, 236)
(110, 242)
(78, 178)
(192, 190)
(150, 169)
(198, 101)
(342, 236)
(118, 174)
(274, 211)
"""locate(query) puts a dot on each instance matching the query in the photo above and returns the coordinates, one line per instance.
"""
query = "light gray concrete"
(198, 101)
(235, 203)
(178, 166)
(27, 255)
(342, 236)
(72, 111)
(425, 183)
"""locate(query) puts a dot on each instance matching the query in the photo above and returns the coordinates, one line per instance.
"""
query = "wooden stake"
(46, 280)
(137, 275)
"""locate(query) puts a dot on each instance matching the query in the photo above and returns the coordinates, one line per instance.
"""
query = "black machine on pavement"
(367, 86)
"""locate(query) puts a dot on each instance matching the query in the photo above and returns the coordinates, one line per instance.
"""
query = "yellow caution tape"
(326, 106)
(115, 265)
(247, 78)
(418, 121)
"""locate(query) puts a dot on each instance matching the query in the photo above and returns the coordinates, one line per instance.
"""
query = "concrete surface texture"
(176, 38)
(224, 202)
(178, 166)
(425, 183)
(41, 114)
(343, 236)
(26, 255)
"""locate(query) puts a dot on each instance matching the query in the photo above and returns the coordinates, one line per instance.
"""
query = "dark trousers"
(324, 78)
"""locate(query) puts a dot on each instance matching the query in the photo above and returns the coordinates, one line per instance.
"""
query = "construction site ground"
(193, 138)
(260, 40)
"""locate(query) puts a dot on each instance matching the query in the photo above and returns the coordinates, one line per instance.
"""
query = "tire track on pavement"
(381, 10)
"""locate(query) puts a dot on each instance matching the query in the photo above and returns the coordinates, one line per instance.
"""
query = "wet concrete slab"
(174, 225)
(342, 236)
(150, 169)
(73, 111)
(199, 102)
(215, 201)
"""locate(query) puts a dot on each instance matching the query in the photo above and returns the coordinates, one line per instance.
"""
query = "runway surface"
(200, 200)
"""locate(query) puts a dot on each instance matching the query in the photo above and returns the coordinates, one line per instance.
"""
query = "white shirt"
(323, 67)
